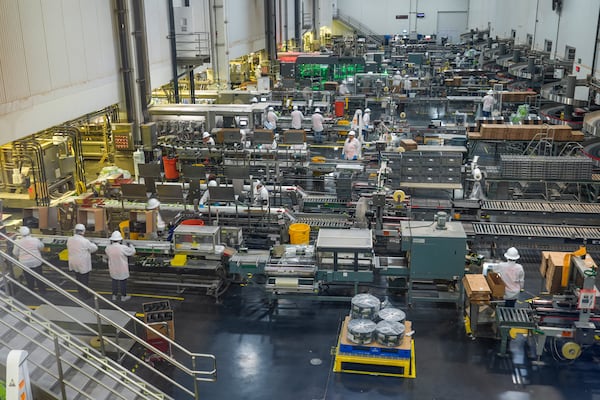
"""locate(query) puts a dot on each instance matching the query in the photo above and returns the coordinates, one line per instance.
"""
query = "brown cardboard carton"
(496, 284)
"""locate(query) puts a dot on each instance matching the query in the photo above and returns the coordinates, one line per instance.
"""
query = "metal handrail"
(81, 351)
(191, 358)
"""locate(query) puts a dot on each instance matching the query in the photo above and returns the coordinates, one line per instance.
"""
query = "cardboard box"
(553, 269)
(408, 144)
(496, 284)
(94, 219)
(476, 287)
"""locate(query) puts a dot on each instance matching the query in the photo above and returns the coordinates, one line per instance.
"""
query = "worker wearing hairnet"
(261, 195)
(297, 118)
(317, 126)
(212, 182)
(80, 251)
(28, 251)
(351, 149)
(118, 266)
(154, 204)
(207, 139)
(271, 119)
(512, 275)
(343, 89)
(488, 103)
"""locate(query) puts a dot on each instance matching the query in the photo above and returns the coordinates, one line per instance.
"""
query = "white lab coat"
(343, 89)
(488, 102)
(160, 223)
(117, 253)
(317, 122)
(297, 118)
(210, 141)
(513, 276)
(271, 120)
(366, 119)
(351, 149)
(80, 253)
(262, 197)
(28, 244)
(206, 196)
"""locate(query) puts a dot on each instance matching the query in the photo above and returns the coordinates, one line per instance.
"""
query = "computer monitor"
(236, 172)
(170, 193)
(134, 191)
(150, 170)
(221, 193)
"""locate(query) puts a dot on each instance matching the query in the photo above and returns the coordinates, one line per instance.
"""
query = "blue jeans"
(318, 136)
(119, 283)
(486, 113)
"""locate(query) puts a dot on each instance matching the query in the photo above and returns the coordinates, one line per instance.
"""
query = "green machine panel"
(433, 252)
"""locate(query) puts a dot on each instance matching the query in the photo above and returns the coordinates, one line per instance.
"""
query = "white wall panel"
(73, 26)
(380, 16)
(245, 26)
(12, 51)
(53, 39)
(159, 48)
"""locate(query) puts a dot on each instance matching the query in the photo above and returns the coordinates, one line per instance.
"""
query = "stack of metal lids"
(361, 331)
(364, 306)
(392, 314)
(389, 333)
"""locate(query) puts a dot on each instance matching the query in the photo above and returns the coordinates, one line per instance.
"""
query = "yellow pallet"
(407, 364)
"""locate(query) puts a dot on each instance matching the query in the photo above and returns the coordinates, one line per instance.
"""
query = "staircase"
(63, 366)
(359, 29)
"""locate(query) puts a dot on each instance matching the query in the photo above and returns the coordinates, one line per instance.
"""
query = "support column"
(173, 45)
(298, 24)
(570, 94)
(218, 42)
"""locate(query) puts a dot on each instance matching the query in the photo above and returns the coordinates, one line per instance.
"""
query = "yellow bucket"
(299, 233)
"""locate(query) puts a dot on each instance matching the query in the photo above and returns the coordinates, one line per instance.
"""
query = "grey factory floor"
(285, 351)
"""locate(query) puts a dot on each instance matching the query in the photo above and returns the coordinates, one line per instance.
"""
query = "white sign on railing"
(18, 386)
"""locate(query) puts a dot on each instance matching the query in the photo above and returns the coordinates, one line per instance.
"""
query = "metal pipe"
(123, 31)
(298, 24)
(192, 85)
(270, 30)
(173, 42)
(141, 55)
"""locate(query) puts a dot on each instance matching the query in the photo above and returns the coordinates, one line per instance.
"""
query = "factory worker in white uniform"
(488, 103)
(261, 195)
(367, 118)
(207, 139)
(297, 118)
(271, 119)
(351, 149)
(512, 275)
(396, 82)
(317, 126)
(343, 88)
(80, 251)
(118, 266)
(28, 251)
(212, 182)
(154, 204)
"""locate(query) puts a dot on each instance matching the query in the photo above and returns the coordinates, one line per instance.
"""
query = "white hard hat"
(271, 108)
(367, 110)
(317, 110)
(212, 183)
(205, 135)
(116, 236)
(254, 100)
(152, 204)
(512, 254)
(295, 108)
(80, 228)
(490, 91)
(351, 133)
(24, 231)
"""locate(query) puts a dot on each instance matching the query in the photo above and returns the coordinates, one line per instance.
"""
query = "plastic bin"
(299, 233)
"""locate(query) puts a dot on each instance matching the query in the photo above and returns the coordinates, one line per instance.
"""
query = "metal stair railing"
(64, 343)
(185, 361)
(359, 27)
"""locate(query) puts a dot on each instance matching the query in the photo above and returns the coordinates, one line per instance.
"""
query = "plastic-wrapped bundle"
(365, 306)
(389, 333)
(391, 314)
(360, 331)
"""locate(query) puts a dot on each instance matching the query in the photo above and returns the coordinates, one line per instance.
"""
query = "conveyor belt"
(321, 199)
(521, 317)
(324, 222)
(541, 231)
(540, 206)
